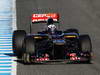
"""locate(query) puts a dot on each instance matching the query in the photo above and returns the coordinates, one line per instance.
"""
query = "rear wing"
(44, 17)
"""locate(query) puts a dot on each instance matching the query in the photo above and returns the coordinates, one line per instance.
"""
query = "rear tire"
(86, 46)
(18, 38)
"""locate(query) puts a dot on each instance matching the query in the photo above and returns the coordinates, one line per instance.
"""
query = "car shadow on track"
(50, 63)
(46, 63)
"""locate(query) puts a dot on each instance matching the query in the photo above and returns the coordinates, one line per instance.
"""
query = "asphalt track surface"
(81, 14)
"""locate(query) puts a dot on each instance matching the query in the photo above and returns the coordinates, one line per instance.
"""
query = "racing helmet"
(50, 21)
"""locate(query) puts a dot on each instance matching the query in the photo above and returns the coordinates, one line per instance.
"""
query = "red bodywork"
(44, 17)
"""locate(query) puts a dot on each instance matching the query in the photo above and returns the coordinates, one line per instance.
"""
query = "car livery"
(51, 45)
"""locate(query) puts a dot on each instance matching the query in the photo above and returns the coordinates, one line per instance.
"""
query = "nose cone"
(59, 42)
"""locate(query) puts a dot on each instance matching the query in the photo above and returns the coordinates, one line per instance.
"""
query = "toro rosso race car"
(51, 44)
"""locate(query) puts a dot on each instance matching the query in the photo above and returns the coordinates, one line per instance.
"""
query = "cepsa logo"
(44, 15)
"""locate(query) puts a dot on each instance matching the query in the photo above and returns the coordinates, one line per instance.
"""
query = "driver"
(51, 26)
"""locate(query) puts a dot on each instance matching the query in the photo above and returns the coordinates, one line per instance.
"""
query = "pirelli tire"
(86, 46)
(71, 31)
(29, 45)
(26, 58)
(18, 38)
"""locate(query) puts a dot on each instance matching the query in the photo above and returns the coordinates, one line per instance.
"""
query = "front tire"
(86, 46)
(26, 58)
(29, 45)
(18, 38)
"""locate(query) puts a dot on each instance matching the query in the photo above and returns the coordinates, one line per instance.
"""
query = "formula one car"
(52, 44)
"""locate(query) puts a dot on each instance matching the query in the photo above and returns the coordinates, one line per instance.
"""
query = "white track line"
(6, 44)
(5, 49)
(6, 58)
(14, 64)
(5, 61)
(5, 64)
(4, 40)
(5, 68)
(3, 55)
(14, 16)
(6, 52)
(5, 71)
